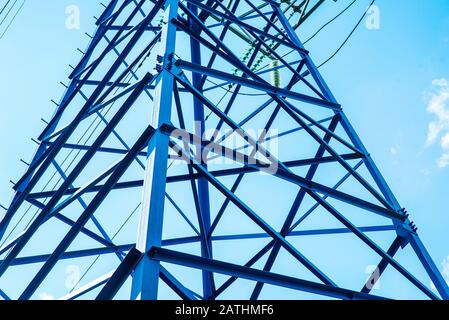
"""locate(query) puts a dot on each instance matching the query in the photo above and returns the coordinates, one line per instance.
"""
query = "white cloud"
(438, 129)
(394, 151)
(443, 161)
(445, 142)
(46, 296)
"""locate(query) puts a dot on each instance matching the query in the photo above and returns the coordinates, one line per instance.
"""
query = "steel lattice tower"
(144, 126)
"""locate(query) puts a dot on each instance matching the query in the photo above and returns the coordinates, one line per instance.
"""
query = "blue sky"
(392, 83)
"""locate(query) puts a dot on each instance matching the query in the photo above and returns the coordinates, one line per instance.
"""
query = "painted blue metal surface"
(146, 275)
(205, 58)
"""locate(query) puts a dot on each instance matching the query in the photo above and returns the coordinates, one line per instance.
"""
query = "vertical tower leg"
(203, 188)
(149, 234)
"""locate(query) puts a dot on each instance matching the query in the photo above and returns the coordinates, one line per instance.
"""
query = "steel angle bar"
(244, 25)
(72, 254)
(100, 239)
(92, 285)
(192, 261)
(373, 245)
(263, 86)
(44, 162)
(186, 177)
(102, 149)
(120, 275)
(85, 216)
(253, 216)
(182, 291)
(73, 175)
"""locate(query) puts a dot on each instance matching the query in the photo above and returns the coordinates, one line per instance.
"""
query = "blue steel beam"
(45, 160)
(101, 103)
(246, 26)
(373, 245)
(146, 275)
(379, 270)
(420, 250)
(3, 295)
(240, 176)
(41, 150)
(73, 175)
(132, 73)
(85, 216)
(120, 275)
(102, 30)
(195, 26)
(230, 55)
(117, 40)
(262, 86)
(295, 207)
(281, 169)
(169, 256)
(186, 177)
(429, 265)
(92, 285)
(316, 205)
(183, 292)
(262, 41)
(202, 185)
(102, 149)
(91, 68)
(289, 176)
(72, 254)
(119, 27)
(251, 60)
(100, 239)
(84, 206)
(310, 232)
(253, 216)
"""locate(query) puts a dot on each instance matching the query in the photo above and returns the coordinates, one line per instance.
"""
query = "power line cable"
(98, 256)
(315, 34)
(330, 21)
(8, 12)
(3, 9)
(127, 79)
(349, 36)
(12, 20)
(309, 39)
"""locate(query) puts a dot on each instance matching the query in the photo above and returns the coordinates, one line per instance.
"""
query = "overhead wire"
(228, 90)
(8, 12)
(97, 118)
(4, 7)
(12, 20)
(98, 256)
(309, 39)
(131, 214)
(349, 35)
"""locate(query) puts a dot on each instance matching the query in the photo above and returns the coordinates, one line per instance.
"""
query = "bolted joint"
(297, 9)
(168, 62)
(404, 213)
(413, 226)
(405, 229)
(158, 68)
(152, 251)
(166, 128)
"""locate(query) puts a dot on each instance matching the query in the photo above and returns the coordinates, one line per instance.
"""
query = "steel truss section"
(158, 120)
